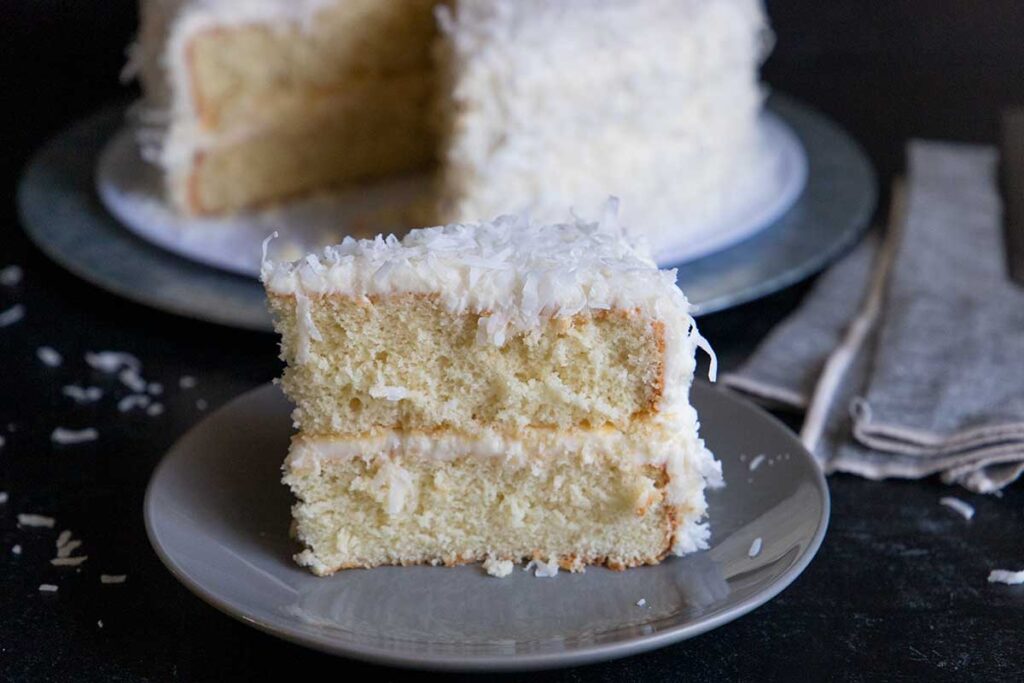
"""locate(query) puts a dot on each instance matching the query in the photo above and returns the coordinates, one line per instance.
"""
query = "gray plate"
(63, 216)
(218, 517)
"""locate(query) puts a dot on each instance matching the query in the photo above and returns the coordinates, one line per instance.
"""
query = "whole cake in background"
(493, 392)
(519, 105)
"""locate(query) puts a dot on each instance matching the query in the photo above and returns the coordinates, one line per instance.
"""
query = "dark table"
(898, 590)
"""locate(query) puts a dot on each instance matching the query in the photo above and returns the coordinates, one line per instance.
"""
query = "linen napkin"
(908, 356)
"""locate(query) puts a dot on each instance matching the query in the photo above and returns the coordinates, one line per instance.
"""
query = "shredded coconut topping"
(756, 462)
(64, 436)
(4, 497)
(10, 276)
(12, 315)
(187, 382)
(755, 548)
(36, 520)
(1010, 578)
(498, 568)
(47, 588)
(543, 570)
(112, 361)
(113, 578)
(966, 510)
(49, 356)
(82, 395)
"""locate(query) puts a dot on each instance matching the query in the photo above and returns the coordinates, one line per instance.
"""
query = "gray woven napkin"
(909, 354)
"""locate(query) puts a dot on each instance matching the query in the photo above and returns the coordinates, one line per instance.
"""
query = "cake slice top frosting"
(510, 268)
(514, 273)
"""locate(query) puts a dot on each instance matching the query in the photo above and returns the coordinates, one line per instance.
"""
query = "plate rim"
(586, 654)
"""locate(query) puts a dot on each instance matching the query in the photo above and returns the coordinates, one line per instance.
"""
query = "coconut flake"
(642, 602)
(12, 315)
(4, 497)
(543, 570)
(47, 588)
(49, 356)
(82, 394)
(68, 561)
(187, 382)
(155, 409)
(112, 361)
(64, 436)
(756, 462)
(132, 401)
(16, 549)
(201, 404)
(498, 568)
(36, 520)
(64, 537)
(10, 275)
(108, 579)
(755, 548)
(966, 510)
(131, 378)
(1010, 578)
(154, 388)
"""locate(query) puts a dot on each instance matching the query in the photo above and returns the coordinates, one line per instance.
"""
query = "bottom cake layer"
(577, 500)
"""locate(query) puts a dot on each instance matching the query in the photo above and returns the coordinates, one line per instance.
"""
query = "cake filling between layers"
(579, 498)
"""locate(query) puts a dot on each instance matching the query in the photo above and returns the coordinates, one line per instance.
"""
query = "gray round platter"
(218, 516)
(63, 215)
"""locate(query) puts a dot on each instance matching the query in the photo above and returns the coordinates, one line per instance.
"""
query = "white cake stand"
(133, 191)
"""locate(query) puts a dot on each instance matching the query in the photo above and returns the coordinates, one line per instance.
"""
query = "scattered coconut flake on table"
(99, 622)
(16, 549)
(154, 388)
(113, 578)
(64, 537)
(82, 395)
(112, 361)
(641, 602)
(131, 378)
(498, 568)
(28, 519)
(543, 570)
(11, 275)
(155, 409)
(132, 401)
(756, 462)
(1006, 576)
(12, 315)
(966, 510)
(755, 548)
(68, 561)
(4, 497)
(49, 356)
(47, 588)
(187, 382)
(72, 436)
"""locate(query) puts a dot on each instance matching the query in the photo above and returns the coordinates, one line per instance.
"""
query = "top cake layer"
(341, 317)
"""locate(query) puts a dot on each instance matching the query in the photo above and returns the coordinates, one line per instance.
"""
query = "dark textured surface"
(898, 590)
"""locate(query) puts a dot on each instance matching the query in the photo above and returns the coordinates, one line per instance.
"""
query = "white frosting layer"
(514, 272)
(660, 109)
(690, 466)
